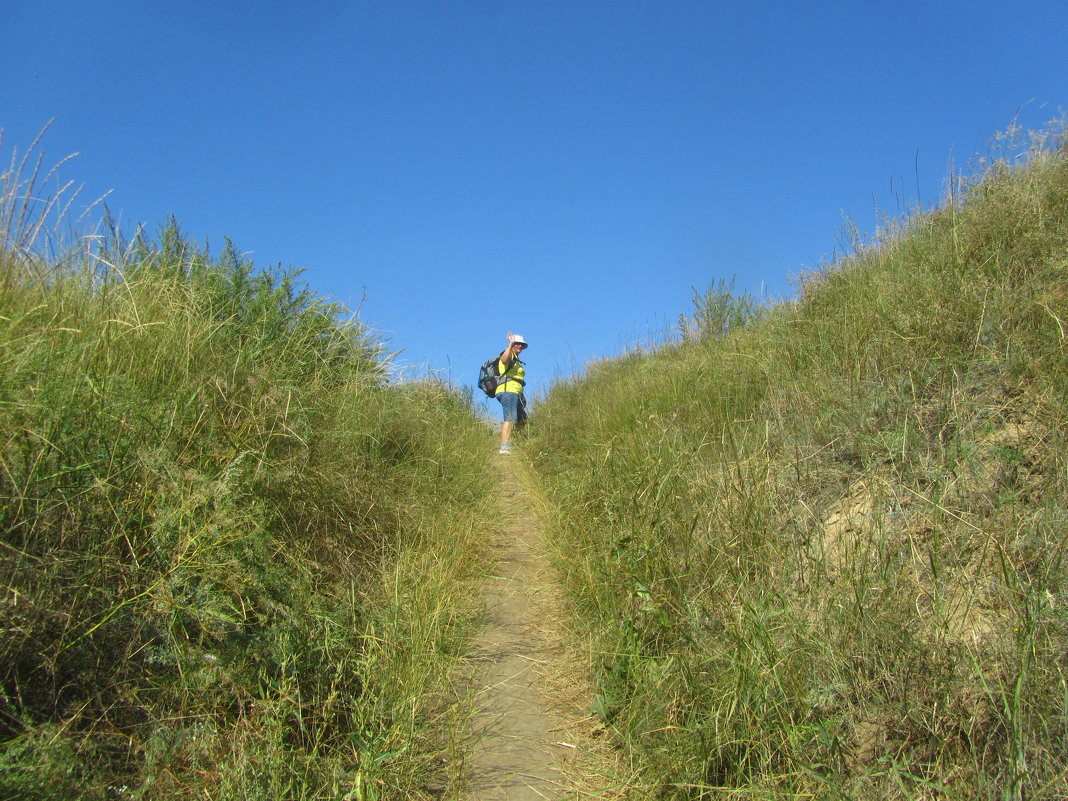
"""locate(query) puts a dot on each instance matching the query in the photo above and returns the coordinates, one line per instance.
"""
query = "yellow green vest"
(515, 370)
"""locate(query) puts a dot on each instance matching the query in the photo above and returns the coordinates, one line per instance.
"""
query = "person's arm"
(509, 352)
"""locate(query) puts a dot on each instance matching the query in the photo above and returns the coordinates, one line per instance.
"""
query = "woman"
(510, 389)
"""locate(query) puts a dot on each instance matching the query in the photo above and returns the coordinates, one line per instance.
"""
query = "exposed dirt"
(537, 739)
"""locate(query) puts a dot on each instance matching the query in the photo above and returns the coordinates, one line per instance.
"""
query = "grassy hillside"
(234, 559)
(821, 546)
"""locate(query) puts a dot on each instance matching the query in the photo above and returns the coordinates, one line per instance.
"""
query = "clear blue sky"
(566, 170)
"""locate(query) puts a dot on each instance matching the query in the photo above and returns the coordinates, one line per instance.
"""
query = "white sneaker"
(506, 447)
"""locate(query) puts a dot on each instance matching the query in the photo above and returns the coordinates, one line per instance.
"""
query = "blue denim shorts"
(513, 406)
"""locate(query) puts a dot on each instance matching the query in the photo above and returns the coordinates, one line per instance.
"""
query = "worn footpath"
(533, 741)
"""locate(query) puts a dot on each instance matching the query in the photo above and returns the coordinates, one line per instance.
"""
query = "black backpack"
(489, 378)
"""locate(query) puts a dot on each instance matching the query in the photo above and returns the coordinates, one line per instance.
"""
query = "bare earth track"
(533, 742)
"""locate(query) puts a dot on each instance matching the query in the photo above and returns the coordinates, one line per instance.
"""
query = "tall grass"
(821, 546)
(218, 526)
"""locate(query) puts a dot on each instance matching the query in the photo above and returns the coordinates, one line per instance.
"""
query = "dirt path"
(526, 747)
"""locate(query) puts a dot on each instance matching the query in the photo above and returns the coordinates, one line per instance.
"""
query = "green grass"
(236, 560)
(821, 544)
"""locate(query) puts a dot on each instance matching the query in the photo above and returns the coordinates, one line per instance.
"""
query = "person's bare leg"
(506, 432)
